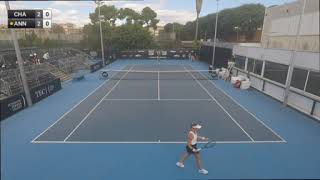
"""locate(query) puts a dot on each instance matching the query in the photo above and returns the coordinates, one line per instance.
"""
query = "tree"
(109, 15)
(153, 24)
(173, 27)
(133, 34)
(129, 15)
(249, 17)
(195, 45)
(91, 36)
(58, 29)
(147, 16)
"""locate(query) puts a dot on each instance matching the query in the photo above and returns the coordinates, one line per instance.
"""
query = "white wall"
(316, 112)
(277, 56)
(307, 60)
(284, 26)
(310, 24)
(274, 91)
(256, 83)
(303, 59)
(255, 52)
(302, 103)
(240, 50)
(288, 26)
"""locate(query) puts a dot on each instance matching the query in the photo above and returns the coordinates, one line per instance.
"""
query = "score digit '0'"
(47, 14)
(46, 24)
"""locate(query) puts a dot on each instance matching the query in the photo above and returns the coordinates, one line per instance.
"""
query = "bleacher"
(11, 82)
(62, 63)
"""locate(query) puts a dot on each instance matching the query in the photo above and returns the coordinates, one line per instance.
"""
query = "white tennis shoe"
(203, 171)
(179, 164)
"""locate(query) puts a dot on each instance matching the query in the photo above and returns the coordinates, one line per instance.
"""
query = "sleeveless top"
(195, 138)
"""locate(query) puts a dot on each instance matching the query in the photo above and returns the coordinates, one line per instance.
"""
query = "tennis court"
(137, 103)
(133, 125)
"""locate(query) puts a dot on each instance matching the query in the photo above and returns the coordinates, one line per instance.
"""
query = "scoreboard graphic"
(30, 18)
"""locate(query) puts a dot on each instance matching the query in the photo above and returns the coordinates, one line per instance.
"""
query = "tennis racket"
(210, 144)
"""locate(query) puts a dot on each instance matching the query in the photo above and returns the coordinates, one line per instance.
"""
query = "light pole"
(20, 63)
(215, 34)
(237, 29)
(101, 37)
(174, 34)
(198, 8)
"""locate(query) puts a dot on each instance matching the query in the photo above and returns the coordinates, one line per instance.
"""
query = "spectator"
(46, 56)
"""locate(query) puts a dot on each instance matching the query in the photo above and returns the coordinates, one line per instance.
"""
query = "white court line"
(158, 85)
(130, 99)
(158, 100)
(70, 110)
(206, 90)
(149, 142)
(185, 100)
(245, 109)
(97, 105)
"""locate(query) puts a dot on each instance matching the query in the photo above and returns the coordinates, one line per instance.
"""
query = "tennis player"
(192, 149)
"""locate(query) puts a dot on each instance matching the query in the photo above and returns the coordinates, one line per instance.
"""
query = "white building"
(156, 32)
(289, 48)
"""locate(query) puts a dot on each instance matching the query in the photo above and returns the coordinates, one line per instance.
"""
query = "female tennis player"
(191, 148)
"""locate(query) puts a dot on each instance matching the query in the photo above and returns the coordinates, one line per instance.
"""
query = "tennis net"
(157, 75)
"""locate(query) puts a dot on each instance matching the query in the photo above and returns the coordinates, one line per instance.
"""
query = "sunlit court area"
(160, 90)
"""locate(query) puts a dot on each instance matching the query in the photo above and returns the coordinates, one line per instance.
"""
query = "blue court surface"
(133, 126)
